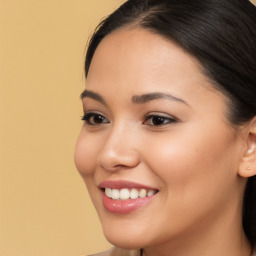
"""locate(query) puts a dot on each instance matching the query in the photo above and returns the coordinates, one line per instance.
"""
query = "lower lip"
(124, 206)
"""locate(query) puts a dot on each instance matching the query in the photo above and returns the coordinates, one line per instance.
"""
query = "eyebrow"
(137, 99)
(92, 95)
(140, 99)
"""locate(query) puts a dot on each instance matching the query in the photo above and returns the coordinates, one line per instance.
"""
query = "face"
(156, 150)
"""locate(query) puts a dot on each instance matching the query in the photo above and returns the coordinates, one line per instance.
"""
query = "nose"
(119, 151)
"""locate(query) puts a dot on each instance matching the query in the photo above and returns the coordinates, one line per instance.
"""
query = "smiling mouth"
(126, 194)
(124, 197)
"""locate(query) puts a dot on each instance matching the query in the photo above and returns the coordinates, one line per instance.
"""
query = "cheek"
(171, 156)
(85, 155)
(86, 152)
(195, 174)
(194, 157)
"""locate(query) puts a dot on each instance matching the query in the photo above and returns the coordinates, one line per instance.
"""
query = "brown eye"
(157, 120)
(94, 119)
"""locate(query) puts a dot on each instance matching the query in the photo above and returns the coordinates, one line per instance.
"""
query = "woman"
(168, 145)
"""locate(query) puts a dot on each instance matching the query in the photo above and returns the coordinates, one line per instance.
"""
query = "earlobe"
(247, 167)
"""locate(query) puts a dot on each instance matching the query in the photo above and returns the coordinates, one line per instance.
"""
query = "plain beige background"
(44, 206)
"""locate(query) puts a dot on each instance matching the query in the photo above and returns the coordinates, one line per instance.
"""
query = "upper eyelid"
(93, 111)
(160, 114)
(86, 113)
(170, 118)
(164, 117)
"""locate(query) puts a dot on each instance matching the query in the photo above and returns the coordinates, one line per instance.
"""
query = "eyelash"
(156, 119)
(88, 116)
(159, 120)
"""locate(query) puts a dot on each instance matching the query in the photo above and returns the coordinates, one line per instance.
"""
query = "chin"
(126, 243)
(125, 240)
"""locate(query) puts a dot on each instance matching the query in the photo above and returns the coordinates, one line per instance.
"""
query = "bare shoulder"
(117, 252)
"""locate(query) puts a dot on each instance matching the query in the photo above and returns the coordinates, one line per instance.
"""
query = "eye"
(94, 119)
(158, 120)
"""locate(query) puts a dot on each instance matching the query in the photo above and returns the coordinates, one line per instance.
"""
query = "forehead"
(138, 53)
(138, 61)
(140, 45)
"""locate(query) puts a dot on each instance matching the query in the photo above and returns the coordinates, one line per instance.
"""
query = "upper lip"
(119, 184)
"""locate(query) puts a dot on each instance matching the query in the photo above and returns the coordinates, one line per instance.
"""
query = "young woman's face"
(156, 150)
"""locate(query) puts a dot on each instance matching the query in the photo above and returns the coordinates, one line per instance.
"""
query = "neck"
(222, 239)
(212, 248)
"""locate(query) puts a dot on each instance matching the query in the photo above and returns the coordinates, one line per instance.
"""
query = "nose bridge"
(119, 149)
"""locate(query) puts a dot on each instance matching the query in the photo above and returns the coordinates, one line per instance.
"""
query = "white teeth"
(125, 193)
(115, 194)
(134, 193)
(143, 193)
(151, 192)
(108, 192)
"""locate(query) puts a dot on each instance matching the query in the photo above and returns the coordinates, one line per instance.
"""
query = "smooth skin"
(182, 144)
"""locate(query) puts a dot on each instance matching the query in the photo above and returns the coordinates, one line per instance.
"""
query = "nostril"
(117, 154)
(118, 162)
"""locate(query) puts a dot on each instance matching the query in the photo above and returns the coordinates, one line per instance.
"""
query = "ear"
(247, 167)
